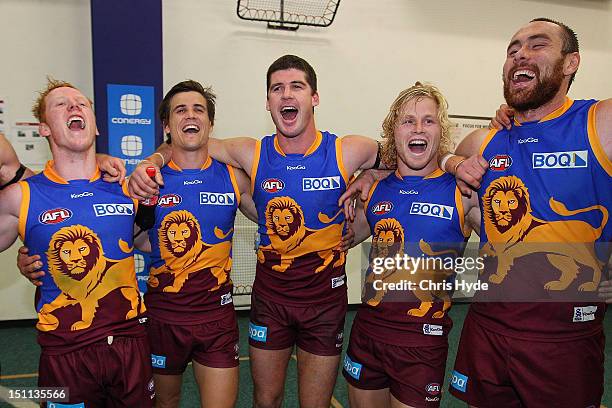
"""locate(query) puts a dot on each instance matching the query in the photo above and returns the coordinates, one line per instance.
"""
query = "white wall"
(374, 49)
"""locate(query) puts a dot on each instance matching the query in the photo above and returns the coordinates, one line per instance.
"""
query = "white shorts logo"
(432, 330)
(337, 281)
(584, 314)
(226, 299)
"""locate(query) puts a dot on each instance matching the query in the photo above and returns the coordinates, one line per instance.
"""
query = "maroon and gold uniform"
(189, 290)
(298, 268)
(399, 336)
(89, 299)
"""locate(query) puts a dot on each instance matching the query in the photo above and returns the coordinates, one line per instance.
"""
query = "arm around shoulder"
(471, 144)
(360, 225)
(238, 152)
(359, 153)
(247, 205)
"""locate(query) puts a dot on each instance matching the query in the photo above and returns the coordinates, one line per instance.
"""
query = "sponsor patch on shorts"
(433, 389)
(433, 330)
(258, 333)
(226, 299)
(337, 281)
(584, 314)
(459, 381)
(151, 387)
(158, 361)
(339, 339)
(352, 368)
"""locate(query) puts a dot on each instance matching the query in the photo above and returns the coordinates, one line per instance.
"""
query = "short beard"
(544, 91)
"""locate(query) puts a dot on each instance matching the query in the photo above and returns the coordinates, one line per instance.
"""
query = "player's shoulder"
(11, 195)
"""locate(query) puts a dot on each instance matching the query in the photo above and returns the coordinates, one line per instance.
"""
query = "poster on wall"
(464, 125)
(131, 122)
(3, 120)
(32, 149)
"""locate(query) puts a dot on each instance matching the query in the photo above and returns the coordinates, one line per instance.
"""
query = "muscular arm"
(10, 201)
(237, 152)
(358, 153)
(9, 163)
(247, 206)
(471, 210)
(603, 124)
(360, 225)
(141, 240)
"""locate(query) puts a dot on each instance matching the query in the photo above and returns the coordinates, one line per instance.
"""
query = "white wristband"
(162, 157)
(444, 160)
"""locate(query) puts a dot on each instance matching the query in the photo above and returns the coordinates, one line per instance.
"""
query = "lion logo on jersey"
(184, 252)
(290, 237)
(85, 276)
(389, 234)
(513, 232)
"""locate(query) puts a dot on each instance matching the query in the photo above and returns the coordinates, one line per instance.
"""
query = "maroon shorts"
(316, 329)
(212, 344)
(493, 370)
(414, 375)
(102, 374)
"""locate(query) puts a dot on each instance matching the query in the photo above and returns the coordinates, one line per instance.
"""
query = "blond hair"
(419, 90)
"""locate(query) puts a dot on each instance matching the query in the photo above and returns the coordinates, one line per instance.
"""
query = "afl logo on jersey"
(55, 216)
(382, 208)
(500, 162)
(169, 200)
(272, 185)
